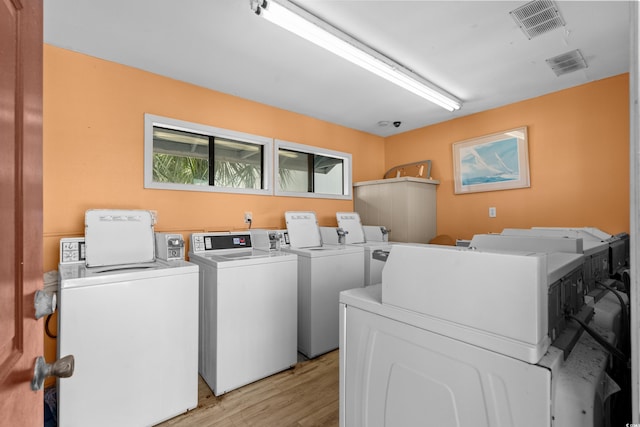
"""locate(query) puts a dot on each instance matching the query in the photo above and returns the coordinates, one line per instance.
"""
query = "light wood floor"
(306, 395)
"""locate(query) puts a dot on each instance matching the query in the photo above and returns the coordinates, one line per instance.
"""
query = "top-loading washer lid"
(114, 237)
(352, 226)
(303, 229)
(375, 233)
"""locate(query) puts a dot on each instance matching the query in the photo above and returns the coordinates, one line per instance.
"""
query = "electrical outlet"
(492, 212)
(248, 217)
(154, 217)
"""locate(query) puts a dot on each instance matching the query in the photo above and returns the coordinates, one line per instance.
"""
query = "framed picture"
(499, 161)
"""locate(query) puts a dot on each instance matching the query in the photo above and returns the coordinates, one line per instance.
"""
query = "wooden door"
(21, 339)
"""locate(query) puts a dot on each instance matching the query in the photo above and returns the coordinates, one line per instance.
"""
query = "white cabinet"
(406, 206)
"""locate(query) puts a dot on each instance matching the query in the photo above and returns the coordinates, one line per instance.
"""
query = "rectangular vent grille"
(537, 17)
(567, 62)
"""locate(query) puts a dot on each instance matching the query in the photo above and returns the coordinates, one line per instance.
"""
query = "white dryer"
(596, 252)
(608, 308)
(132, 328)
(459, 337)
(248, 309)
(323, 272)
(395, 371)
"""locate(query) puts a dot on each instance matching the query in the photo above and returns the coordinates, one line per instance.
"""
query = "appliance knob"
(62, 368)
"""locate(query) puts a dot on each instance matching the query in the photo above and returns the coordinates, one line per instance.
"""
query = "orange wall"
(578, 159)
(93, 150)
(93, 155)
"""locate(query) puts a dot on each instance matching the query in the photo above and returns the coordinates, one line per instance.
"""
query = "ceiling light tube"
(307, 26)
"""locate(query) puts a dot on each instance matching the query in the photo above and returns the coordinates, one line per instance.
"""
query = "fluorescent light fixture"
(295, 19)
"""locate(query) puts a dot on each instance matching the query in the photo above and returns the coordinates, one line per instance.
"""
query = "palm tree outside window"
(183, 157)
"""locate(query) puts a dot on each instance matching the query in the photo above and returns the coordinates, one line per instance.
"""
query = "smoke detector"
(537, 17)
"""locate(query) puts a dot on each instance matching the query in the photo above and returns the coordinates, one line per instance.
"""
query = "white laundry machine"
(597, 268)
(464, 346)
(618, 244)
(323, 272)
(248, 309)
(350, 223)
(132, 328)
(596, 252)
(608, 307)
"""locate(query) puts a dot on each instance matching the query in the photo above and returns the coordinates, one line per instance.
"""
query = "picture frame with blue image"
(499, 161)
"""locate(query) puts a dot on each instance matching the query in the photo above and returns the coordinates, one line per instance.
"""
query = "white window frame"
(347, 192)
(151, 120)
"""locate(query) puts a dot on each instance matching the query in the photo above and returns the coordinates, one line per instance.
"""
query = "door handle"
(61, 368)
(44, 303)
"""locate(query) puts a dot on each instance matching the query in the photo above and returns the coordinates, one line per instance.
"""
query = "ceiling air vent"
(537, 17)
(567, 62)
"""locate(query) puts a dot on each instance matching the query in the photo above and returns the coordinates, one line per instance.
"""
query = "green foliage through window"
(182, 157)
(181, 170)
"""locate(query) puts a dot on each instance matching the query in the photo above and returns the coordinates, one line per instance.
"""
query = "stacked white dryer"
(323, 272)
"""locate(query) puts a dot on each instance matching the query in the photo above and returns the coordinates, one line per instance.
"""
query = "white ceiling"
(472, 49)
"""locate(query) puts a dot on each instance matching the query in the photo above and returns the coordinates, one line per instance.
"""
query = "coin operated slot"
(283, 237)
(169, 246)
(274, 241)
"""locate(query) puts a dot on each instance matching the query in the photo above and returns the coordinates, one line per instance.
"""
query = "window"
(305, 171)
(188, 156)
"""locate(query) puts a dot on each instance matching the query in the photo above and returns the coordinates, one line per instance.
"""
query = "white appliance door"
(114, 237)
(255, 320)
(135, 344)
(398, 375)
(321, 280)
(495, 300)
(303, 229)
(350, 223)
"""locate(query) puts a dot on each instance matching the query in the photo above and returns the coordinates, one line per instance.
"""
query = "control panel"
(72, 250)
(201, 242)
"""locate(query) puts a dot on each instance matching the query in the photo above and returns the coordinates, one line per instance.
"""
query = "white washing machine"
(323, 272)
(448, 340)
(248, 309)
(350, 223)
(132, 328)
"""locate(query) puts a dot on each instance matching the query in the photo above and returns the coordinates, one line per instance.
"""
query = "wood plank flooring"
(305, 395)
